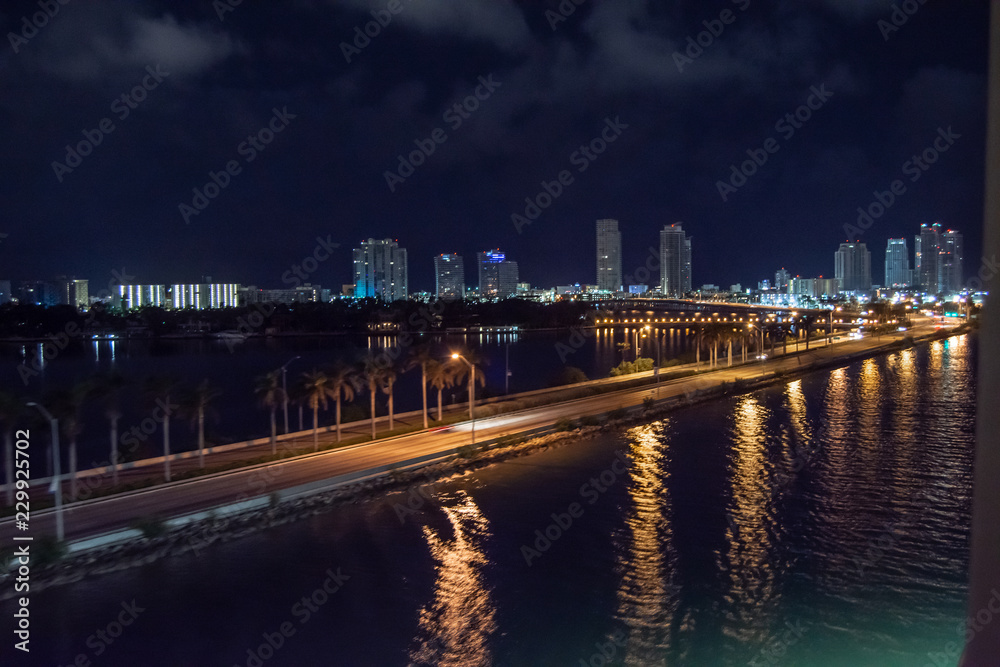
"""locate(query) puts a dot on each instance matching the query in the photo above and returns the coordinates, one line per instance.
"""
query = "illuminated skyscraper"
(609, 256)
(380, 270)
(853, 267)
(449, 277)
(675, 261)
(950, 262)
(498, 276)
(927, 246)
(781, 279)
(897, 264)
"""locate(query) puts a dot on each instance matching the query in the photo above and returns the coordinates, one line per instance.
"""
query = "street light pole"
(56, 469)
(472, 391)
(284, 388)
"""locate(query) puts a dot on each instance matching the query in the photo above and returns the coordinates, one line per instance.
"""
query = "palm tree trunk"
(372, 394)
(391, 406)
(338, 415)
(440, 391)
(316, 428)
(72, 468)
(114, 451)
(166, 445)
(274, 431)
(8, 463)
(201, 437)
(423, 390)
(301, 427)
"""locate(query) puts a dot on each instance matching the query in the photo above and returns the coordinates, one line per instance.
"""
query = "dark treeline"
(34, 321)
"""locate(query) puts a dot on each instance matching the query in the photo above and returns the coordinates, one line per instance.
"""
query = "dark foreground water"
(819, 522)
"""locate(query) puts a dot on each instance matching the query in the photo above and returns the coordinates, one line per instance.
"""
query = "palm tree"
(108, 388)
(270, 394)
(374, 371)
(317, 389)
(343, 383)
(441, 376)
(66, 405)
(195, 403)
(159, 389)
(11, 410)
(697, 332)
(389, 375)
(421, 356)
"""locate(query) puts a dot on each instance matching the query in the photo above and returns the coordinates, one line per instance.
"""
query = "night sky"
(551, 87)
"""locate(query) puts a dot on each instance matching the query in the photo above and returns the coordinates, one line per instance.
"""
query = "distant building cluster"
(60, 291)
(381, 266)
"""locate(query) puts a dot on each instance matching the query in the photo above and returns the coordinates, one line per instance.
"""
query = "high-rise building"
(380, 270)
(73, 292)
(127, 297)
(675, 261)
(950, 262)
(609, 256)
(897, 264)
(853, 267)
(927, 246)
(204, 295)
(449, 277)
(498, 276)
(781, 278)
(814, 287)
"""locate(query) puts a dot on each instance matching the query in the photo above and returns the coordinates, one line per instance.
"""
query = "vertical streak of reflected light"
(648, 597)
(752, 593)
(456, 625)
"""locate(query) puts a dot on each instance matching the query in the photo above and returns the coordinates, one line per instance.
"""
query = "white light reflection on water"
(457, 624)
(648, 589)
